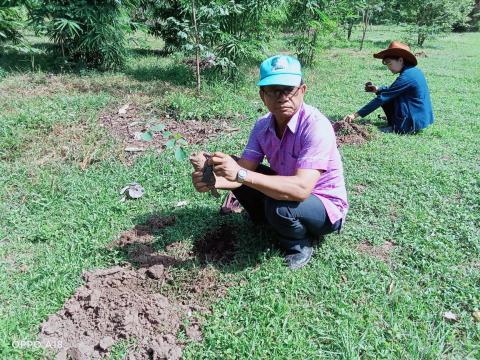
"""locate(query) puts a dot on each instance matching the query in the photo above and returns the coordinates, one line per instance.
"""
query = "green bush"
(10, 22)
(87, 31)
(229, 33)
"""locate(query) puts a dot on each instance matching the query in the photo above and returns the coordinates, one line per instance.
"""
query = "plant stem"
(197, 47)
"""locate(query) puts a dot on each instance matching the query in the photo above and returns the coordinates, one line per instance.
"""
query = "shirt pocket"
(289, 164)
(292, 155)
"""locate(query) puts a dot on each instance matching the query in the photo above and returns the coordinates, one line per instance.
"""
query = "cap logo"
(280, 63)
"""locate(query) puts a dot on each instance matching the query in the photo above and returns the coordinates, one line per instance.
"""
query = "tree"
(312, 22)
(223, 33)
(89, 31)
(367, 9)
(474, 16)
(431, 17)
(471, 23)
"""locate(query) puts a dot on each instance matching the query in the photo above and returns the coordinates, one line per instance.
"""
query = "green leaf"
(147, 136)
(170, 143)
(166, 134)
(158, 128)
(182, 142)
(180, 154)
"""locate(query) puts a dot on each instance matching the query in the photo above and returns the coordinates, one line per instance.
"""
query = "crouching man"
(302, 194)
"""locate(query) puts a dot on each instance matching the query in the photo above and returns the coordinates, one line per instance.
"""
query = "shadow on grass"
(50, 60)
(176, 74)
(142, 52)
(228, 243)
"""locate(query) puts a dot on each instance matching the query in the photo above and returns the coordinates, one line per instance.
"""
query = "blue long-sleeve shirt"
(411, 100)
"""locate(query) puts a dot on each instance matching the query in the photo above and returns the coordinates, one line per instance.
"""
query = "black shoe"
(298, 256)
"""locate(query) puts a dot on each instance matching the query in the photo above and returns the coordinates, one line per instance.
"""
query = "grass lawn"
(60, 173)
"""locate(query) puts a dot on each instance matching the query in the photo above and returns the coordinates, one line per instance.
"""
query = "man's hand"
(197, 182)
(225, 166)
(369, 87)
(349, 118)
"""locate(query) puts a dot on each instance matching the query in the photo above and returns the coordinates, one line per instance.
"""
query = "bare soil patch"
(359, 189)
(149, 304)
(381, 252)
(351, 134)
(35, 85)
(217, 245)
(75, 143)
(128, 128)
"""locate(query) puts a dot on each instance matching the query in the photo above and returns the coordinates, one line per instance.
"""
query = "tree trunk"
(197, 47)
(365, 19)
(349, 30)
(421, 39)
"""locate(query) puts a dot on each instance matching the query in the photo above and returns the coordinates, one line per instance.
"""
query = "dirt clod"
(156, 272)
(350, 133)
(106, 343)
(199, 162)
(194, 333)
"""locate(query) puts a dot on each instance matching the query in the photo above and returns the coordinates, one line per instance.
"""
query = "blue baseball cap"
(280, 70)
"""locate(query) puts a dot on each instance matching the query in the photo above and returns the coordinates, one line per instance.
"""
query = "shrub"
(87, 31)
(10, 22)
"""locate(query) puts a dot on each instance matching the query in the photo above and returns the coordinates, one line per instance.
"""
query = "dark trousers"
(294, 222)
(389, 109)
(398, 125)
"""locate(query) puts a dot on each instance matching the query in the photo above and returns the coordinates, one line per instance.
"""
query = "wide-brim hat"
(280, 70)
(397, 49)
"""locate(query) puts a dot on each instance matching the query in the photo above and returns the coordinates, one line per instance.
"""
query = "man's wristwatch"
(242, 175)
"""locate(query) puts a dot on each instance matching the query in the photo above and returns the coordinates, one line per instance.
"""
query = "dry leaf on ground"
(450, 316)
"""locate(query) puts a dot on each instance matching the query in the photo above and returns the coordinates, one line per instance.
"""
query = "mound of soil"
(114, 304)
(149, 305)
(349, 133)
(216, 246)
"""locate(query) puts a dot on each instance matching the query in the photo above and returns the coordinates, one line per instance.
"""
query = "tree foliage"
(430, 17)
(310, 22)
(88, 31)
(227, 32)
(11, 21)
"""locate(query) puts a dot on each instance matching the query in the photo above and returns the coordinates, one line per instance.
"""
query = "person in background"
(406, 102)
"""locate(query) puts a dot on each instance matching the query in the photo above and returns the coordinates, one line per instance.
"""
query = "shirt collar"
(292, 123)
